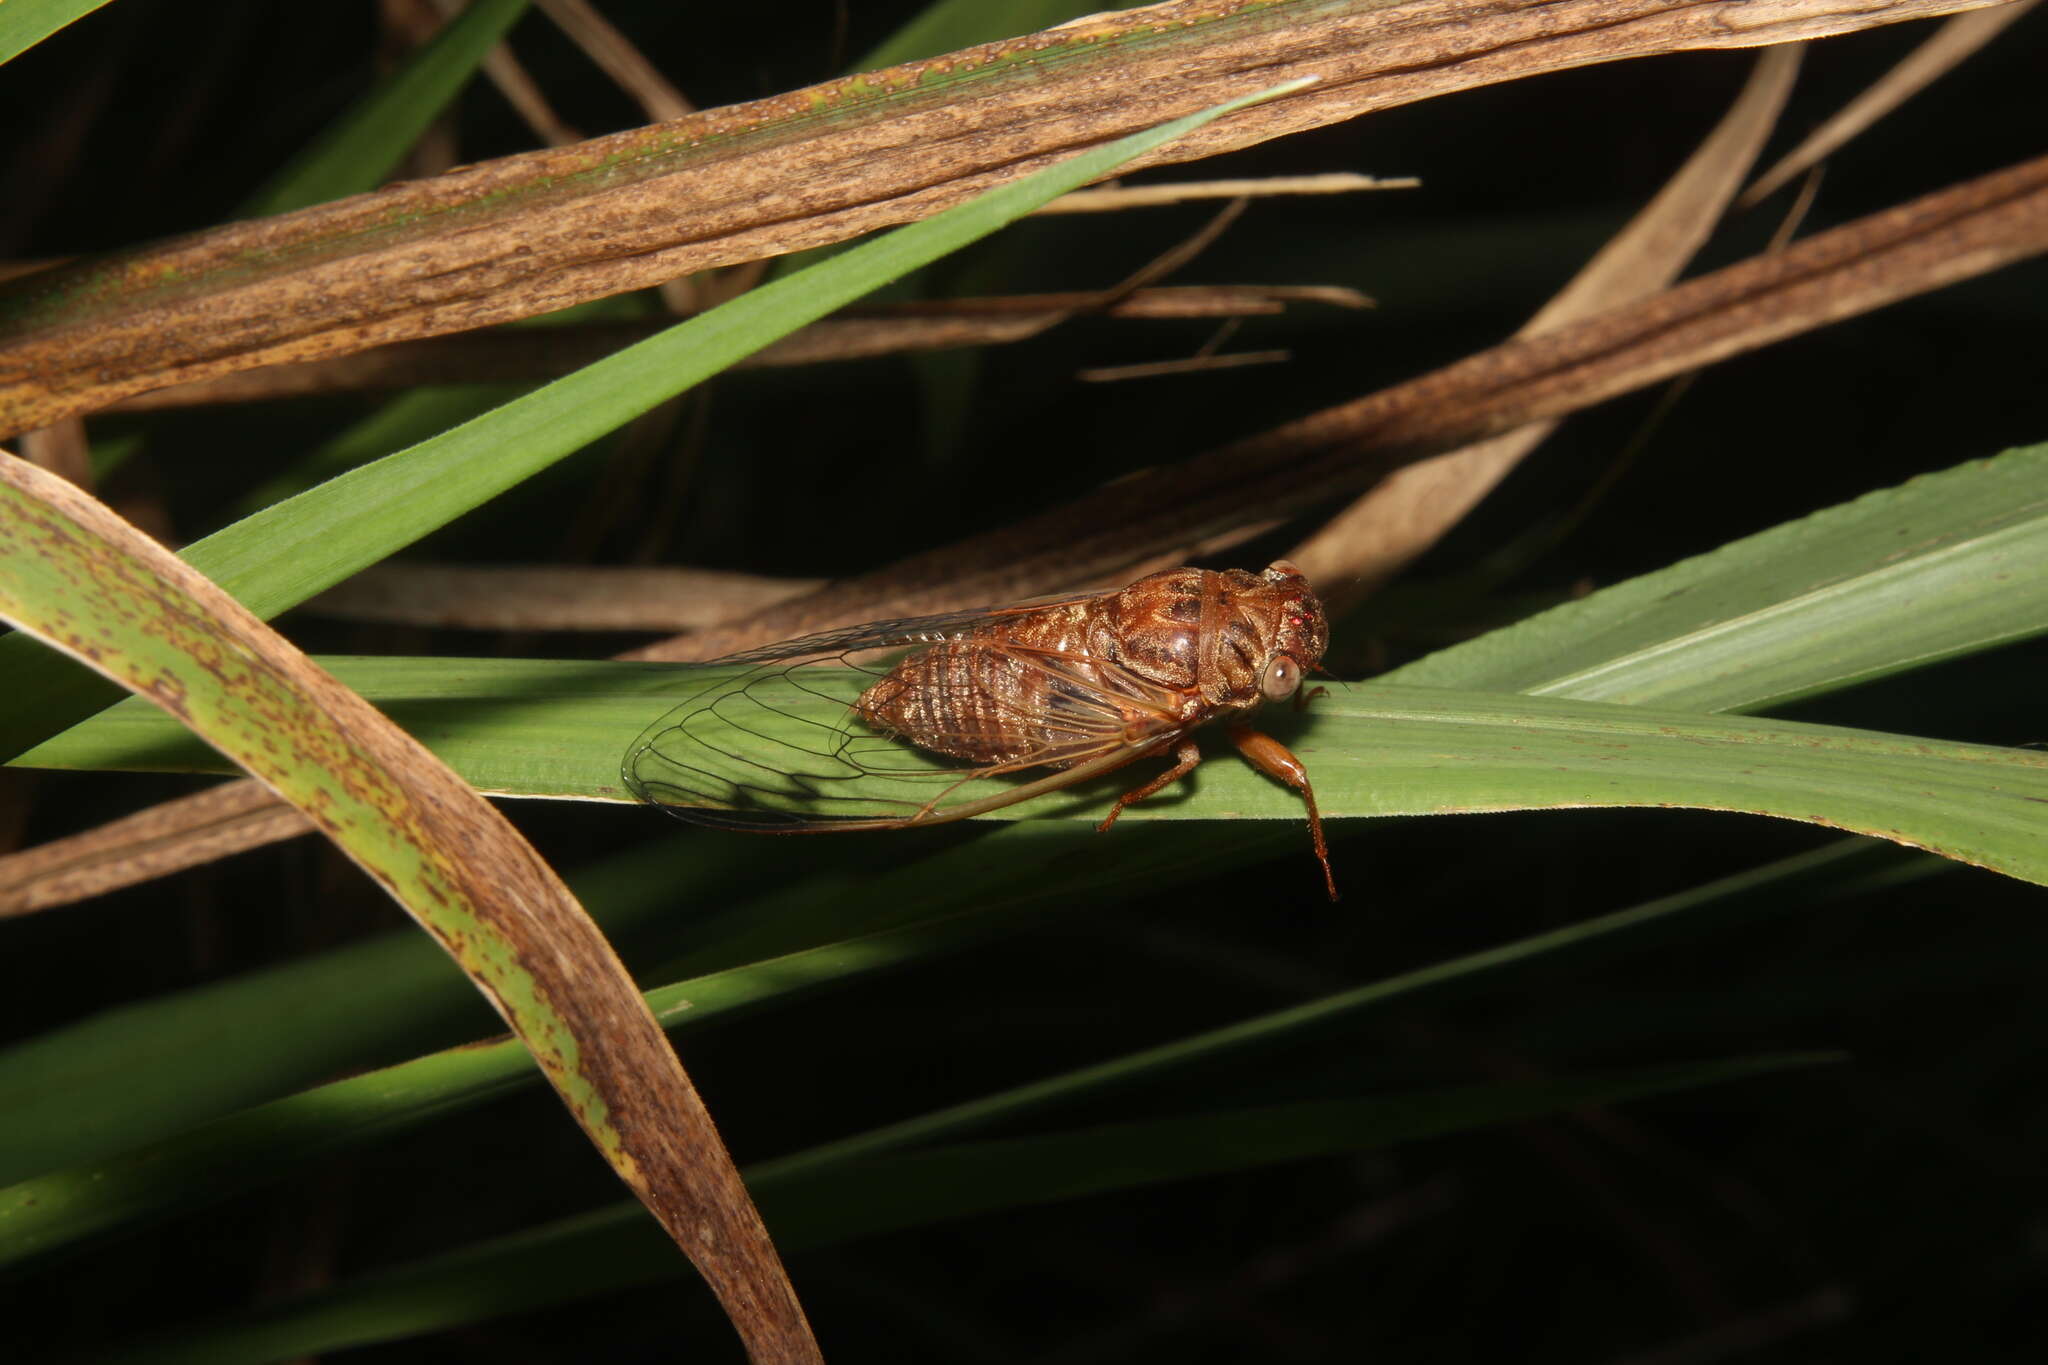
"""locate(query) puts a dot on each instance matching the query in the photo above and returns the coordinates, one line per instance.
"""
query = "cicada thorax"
(1223, 628)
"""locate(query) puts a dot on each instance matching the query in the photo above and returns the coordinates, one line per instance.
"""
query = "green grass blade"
(611, 1248)
(935, 904)
(24, 23)
(911, 1189)
(91, 584)
(1948, 564)
(362, 147)
(1373, 749)
(141, 1072)
(796, 938)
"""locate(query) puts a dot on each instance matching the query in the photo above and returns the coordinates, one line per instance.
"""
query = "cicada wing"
(780, 744)
(909, 630)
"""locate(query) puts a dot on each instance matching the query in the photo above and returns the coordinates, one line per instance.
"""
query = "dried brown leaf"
(478, 597)
(1118, 198)
(1194, 364)
(545, 229)
(165, 838)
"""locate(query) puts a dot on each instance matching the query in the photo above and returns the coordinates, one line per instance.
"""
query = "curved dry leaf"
(537, 232)
(85, 582)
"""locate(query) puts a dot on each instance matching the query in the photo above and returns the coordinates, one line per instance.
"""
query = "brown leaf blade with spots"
(82, 580)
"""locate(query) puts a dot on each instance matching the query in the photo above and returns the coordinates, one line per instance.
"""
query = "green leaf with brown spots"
(85, 582)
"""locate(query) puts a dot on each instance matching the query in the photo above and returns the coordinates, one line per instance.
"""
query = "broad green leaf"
(1948, 564)
(24, 23)
(419, 414)
(360, 149)
(1372, 749)
(134, 1074)
(411, 417)
(87, 582)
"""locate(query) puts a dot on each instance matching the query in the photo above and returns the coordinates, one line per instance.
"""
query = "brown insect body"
(1080, 685)
(1177, 649)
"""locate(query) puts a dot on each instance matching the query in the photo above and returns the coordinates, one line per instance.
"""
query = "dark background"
(1888, 1208)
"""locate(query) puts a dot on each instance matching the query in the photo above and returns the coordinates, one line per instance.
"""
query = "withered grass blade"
(539, 231)
(1949, 46)
(154, 842)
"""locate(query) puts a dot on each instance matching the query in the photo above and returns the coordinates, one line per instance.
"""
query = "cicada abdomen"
(980, 710)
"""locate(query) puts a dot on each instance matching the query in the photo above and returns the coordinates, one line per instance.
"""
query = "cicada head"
(1293, 630)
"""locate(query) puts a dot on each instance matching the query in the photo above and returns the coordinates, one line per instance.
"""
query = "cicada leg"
(1185, 757)
(1271, 757)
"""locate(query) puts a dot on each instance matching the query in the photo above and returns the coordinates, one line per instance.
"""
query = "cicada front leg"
(1272, 758)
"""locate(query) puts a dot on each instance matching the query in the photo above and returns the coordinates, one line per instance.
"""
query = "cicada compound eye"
(1281, 678)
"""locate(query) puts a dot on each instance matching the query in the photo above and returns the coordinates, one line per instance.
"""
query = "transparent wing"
(909, 630)
(771, 739)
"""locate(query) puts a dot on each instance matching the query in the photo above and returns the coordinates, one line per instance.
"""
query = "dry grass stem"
(479, 597)
(1194, 364)
(62, 449)
(1117, 198)
(165, 838)
(1954, 42)
(615, 55)
(509, 75)
(530, 354)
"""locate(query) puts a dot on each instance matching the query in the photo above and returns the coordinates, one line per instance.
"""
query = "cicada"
(975, 711)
